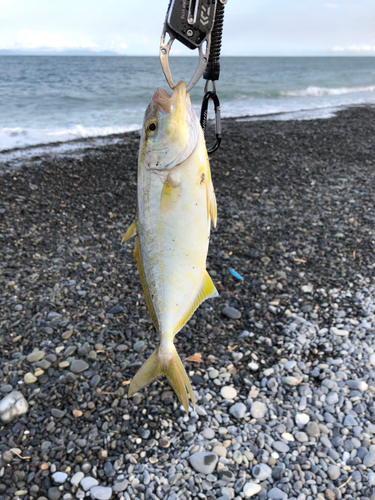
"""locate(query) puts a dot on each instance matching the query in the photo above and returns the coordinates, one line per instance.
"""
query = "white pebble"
(12, 406)
(258, 409)
(77, 478)
(88, 483)
(339, 332)
(59, 477)
(228, 392)
(250, 489)
(287, 436)
(302, 419)
(101, 492)
(289, 380)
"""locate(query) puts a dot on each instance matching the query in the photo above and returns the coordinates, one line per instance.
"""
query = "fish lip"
(164, 101)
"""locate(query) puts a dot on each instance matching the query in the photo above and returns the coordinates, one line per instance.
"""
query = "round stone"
(258, 409)
(13, 405)
(301, 420)
(101, 492)
(350, 421)
(88, 482)
(213, 373)
(35, 356)
(372, 359)
(369, 459)
(262, 471)
(139, 346)
(332, 398)
(302, 437)
(250, 489)
(59, 477)
(287, 436)
(277, 494)
(208, 433)
(204, 462)
(292, 381)
(54, 493)
(280, 446)
(333, 472)
(30, 378)
(220, 451)
(228, 392)
(313, 430)
(231, 312)
(238, 410)
(78, 366)
(77, 478)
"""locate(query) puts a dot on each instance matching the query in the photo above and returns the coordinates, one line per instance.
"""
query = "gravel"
(296, 221)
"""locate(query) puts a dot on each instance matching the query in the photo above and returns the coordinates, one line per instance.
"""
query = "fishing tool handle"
(212, 71)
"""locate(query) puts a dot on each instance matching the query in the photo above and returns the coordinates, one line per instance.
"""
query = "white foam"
(17, 137)
(322, 91)
(305, 114)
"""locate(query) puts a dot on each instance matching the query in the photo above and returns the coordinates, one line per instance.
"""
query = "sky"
(133, 27)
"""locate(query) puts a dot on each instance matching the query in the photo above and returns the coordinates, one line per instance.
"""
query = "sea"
(56, 99)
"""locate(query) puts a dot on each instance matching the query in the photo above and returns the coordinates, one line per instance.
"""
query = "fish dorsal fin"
(206, 291)
(150, 306)
(132, 231)
(211, 202)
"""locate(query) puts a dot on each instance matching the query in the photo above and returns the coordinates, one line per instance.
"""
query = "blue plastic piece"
(235, 274)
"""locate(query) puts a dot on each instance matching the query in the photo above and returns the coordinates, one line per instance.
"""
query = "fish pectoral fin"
(150, 305)
(211, 202)
(170, 195)
(172, 368)
(132, 231)
(206, 291)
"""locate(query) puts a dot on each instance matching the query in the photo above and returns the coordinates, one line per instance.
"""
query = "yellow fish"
(176, 204)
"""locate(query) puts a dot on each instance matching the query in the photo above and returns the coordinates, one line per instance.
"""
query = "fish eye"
(151, 126)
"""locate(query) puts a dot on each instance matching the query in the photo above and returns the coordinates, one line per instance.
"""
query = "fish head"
(170, 129)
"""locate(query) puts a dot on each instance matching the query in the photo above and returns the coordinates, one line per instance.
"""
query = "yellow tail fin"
(173, 369)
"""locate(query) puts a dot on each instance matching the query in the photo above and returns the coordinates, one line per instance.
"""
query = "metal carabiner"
(211, 95)
(164, 58)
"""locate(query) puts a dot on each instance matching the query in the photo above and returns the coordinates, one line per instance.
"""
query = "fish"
(176, 205)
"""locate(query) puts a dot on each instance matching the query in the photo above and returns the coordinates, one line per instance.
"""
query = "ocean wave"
(18, 137)
(322, 91)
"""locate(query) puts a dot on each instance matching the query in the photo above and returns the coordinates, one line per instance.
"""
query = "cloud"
(354, 48)
(29, 39)
(331, 5)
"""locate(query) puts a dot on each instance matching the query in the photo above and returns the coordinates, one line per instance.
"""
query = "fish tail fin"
(172, 368)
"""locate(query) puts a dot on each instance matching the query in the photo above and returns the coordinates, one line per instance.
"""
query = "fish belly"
(173, 231)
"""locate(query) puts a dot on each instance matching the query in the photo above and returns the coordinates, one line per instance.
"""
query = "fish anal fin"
(170, 195)
(150, 306)
(206, 291)
(132, 231)
(172, 368)
(211, 202)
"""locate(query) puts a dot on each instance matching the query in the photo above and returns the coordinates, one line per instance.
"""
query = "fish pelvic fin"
(171, 366)
(132, 231)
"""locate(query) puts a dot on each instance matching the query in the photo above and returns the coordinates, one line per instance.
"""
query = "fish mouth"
(166, 102)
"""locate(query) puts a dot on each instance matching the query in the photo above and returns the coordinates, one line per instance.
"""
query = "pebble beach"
(282, 363)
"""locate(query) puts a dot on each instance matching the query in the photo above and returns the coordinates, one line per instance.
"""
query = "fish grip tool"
(190, 22)
(197, 24)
